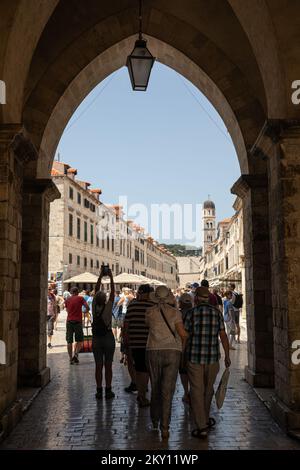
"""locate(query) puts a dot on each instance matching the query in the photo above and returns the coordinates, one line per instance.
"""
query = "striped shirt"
(203, 323)
(135, 319)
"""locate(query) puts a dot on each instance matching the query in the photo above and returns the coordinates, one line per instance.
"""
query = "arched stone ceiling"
(249, 50)
(111, 60)
(207, 34)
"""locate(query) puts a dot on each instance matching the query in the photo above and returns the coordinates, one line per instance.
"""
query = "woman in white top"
(164, 347)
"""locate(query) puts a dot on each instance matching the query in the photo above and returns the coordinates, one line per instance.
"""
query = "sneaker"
(72, 361)
(75, 359)
(131, 389)
(99, 394)
(109, 394)
(49, 345)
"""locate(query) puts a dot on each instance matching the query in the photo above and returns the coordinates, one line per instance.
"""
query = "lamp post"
(140, 61)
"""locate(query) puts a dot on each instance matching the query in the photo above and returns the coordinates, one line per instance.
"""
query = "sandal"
(200, 433)
(211, 422)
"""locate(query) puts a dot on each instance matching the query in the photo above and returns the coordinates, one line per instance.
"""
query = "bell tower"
(209, 224)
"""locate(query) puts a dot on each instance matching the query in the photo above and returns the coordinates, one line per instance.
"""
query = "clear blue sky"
(154, 147)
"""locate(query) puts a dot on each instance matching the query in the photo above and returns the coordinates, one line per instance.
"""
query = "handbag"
(222, 388)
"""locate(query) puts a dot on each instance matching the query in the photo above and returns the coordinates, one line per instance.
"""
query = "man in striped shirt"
(135, 336)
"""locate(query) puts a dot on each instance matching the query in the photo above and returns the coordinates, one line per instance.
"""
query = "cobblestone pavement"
(65, 415)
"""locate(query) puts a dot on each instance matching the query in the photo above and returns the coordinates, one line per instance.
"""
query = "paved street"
(65, 415)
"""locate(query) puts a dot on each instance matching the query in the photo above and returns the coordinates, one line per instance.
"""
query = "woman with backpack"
(103, 338)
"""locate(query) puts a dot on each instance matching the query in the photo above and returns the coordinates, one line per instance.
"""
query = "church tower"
(209, 224)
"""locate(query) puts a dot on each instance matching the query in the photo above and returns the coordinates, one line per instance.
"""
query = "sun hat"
(202, 292)
(185, 299)
(162, 294)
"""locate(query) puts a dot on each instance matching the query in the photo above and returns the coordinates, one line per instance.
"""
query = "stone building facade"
(188, 269)
(84, 233)
(223, 260)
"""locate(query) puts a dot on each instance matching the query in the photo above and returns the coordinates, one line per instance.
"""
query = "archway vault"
(110, 61)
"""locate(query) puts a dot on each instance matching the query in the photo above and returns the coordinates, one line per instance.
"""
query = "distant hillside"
(183, 250)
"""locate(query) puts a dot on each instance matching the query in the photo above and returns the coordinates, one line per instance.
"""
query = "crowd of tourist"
(161, 334)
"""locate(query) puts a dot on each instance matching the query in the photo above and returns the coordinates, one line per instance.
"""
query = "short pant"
(50, 325)
(104, 347)
(74, 328)
(237, 317)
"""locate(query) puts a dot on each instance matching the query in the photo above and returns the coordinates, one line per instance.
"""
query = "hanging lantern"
(140, 62)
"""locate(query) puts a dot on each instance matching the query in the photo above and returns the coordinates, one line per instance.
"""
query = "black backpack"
(238, 300)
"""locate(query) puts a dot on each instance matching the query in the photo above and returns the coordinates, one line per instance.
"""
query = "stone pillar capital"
(247, 182)
(14, 136)
(41, 186)
(8, 132)
(273, 132)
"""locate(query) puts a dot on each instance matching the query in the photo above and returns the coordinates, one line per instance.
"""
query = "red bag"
(87, 339)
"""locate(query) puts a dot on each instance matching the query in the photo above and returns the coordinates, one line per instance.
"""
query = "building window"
(78, 198)
(92, 234)
(112, 244)
(70, 258)
(78, 260)
(113, 268)
(85, 262)
(92, 263)
(78, 228)
(92, 207)
(85, 231)
(107, 242)
(103, 241)
(71, 193)
(97, 264)
(70, 225)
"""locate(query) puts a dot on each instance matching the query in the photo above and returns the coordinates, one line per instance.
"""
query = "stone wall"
(253, 189)
(11, 179)
(284, 176)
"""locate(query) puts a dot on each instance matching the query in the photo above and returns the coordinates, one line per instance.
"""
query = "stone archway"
(218, 48)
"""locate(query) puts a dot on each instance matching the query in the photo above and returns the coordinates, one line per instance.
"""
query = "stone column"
(253, 190)
(14, 153)
(284, 176)
(32, 367)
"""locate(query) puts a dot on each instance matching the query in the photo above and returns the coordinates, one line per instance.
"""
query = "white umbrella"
(87, 278)
(126, 278)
